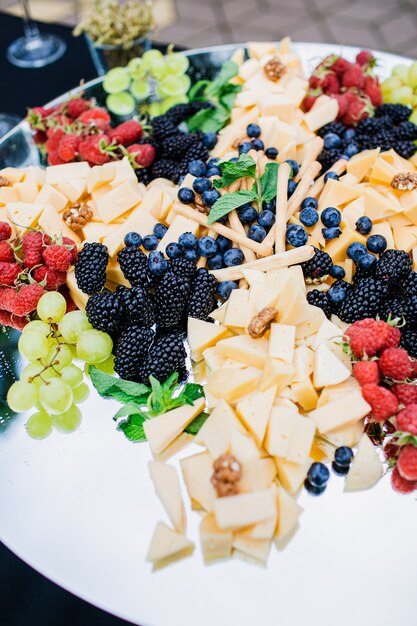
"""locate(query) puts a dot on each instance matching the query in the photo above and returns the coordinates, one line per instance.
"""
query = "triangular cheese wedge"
(257, 549)
(216, 432)
(243, 447)
(288, 513)
(160, 431)
(167, 544)
(167, 487)
(23, 215)
(328, 369)
(254, 411)
(197, 471)
(202, 335)
(366, 468)
(360, 164)
(215, 543)
(276, 373)
(52, 223)
(292, 475)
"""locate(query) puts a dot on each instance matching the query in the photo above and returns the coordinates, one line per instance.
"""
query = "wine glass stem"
(30, 28)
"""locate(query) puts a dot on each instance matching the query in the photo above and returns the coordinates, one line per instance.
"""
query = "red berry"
(5, 231)
(353, 77)
(367, 322)
(400, 484)
(9, 273)
(395, 363)
(27, 299)
(13, 321)
(39, 137)
(359, 107)
(50, 279)
(309, 101)
(143, 154)
(94, 114)
(7, 298)
(71, 246)
(413, 365)
(93, 149)
(126, 133)
(68, 147)
(54, 137)
(383, 402)
(366, 372)
(57, 258)
(369, 338)
(365, 58)
(407, 418)
(340, 66)
(76, 106)
(406, 394)
(54, 159)
(373, 90)
(343, 104)
(330, 84)
(407, 462)
(394, 337)
(6, 252)
(32, 244)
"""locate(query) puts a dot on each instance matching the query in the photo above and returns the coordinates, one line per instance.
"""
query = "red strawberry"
(93, 115)
(39, 137)
(373, 90)
(54, 137)
(71, 246)
(395, 363)
(383, 402)
(13, 321)
(126, 133)
(330, 84)
(27, 299)
(76, 106)
(366, 372)
(93, 149)
(7, 298)
(143, 154)
(57, 258)
(400, 484)
(6, 252)
(5, 231)
(407, 418)
(359, 107)
(67, 147)
(407, 462)
(366, 59)
(9, 273)
(309, 101)
(54, 159)
(51, 279)
(340, 66)
(353, 77)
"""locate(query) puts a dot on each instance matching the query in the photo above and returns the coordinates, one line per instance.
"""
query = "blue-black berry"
(331, 175)
(309, 216)
(187, 241)
(244, 147)
(257, 144)
(232, 257)
(225, 289)
(133, 239)
(354, 250)
(266, 219)
(210, 197)
(247, 214)
(202, 184)
(331, 233)
(150, 242)
(309, 203)
(271, 153)
(331, 217)
(331, 140)
(253, 130)
(207, 246)
(364, 225)
(376, 244)
(197, 167)
(186, 195)
(337, 272)
(293, 165)
(296, 235)
(209, 140)
(257, 233)
(157, 264)
(159, 230)
(174, 250)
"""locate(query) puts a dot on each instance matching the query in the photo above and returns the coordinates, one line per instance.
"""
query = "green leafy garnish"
(268, 182)
(132, 428)
(231, 171)
(197, 423)
(229, 202)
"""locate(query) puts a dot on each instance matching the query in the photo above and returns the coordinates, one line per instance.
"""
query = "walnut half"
(4, 182)
(227, 473)
(260, 323)
(405, 181)
(77, 216)
(274, 69)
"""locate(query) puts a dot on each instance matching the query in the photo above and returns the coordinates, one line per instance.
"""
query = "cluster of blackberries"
(389, 128)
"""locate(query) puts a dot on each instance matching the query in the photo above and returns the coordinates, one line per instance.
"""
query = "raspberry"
(413, 365)
(142, 154)
(32, 245)
(6, 252)
(75, 107)
(407, 418)
(93, 149)
(359, 326)
(57, 258)
(330, 84)
(383, 402)
(366, 372)
(394, 337)
(370, 340)
(340, 66)
(126, 133)
(67, 148)
(5, 231)
(54, 137)
(27, 299)
(373, 90)
(309, 101)
(353, 77)
(7, 298)
(359, 107)
(9, 273)
(94, 114)
(54, 159)
(395, 363)
(400, 484)
(365, 58)
(71, 246)
(8, 319)
(53, 279)
(407, 462)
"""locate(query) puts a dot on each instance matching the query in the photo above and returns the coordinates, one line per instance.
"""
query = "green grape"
(136, 68)
(390, 84)
(116, 80)
(39, 425)
(413, 116)
(401, 71)
(22, 396)
(404, 95)
(94, 346)
(72, 375)
(107, 366)
(56, 396)
(59, 355)
(52, 307)
(38, 326)
(176, 63)
(33, 345)
(158, 69)
(186, 82)
(140, 89)
(122, 103)
(72, 325)
(80, 393)
(171, 101)
(32, 371)
(154, 109)
(149, 56)
(412, 75)
(69, 421)
(170, 86)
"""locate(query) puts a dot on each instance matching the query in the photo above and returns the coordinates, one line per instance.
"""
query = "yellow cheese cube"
(236, 314)
(323, 112)
(276, 373)
(244, 348)
(257, 549)
(377, 207)
(279, 105)
(197, 471)
(118, 201)
(360, 164)
(303, 363)
(179, 225)
(57, 173)
(202, 335)
(282, 342)
(288, 513)
(124, 173)
(27, 191)
(337, 247)
(292, 475)
(230, 384)
(290, 436)
(346, 436)
(114, 274)
(243, 447)
(9, 194)
(138, 220)
(97, 231)
(313, 323)
(100, 175)
(346, 409)
(13, 174)
(353, 211)
(72, 189)
(305, 394)
(405, 237)
(50, 195)
(384, 229)
(336, 193)
(52, 223)
(215, 543)
(244, 509)
(257, 474)
(152, 202)
(382, 172)
(254, 411)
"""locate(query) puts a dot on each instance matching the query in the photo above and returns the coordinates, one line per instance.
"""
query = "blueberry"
(186, 195)
(364, 225)
(270, 206)
(376, 244)
(318, 475)
(343, 456)
(309, 203)
(266, 219)
(188, 241)
(331, 233)
(271, 153)
(309, 216)
(339, 470)
(296, 235)
(232, 257)
(174, 250)
(215, 262)
(202, 184)
(331, 141)
(210, 197)
(197, 167)
(351, 149)
(338, 292)
(366, 262)
(349, 134)
(330, 174)
(312, 490)
(253, 130)
(213, 161)
(150, 242)
(225, 289)
(191, 255)
(133, 239)
(247, 214)
(331, 217)
(181, 178)
(213, 171)
(209, 140)
(207, 246)
(294, 166)
(159, 230)
(257, 144)
(337, 272)
(244, 147)
(257, 233)
(292, 186)
(223, 243)
(355, 250)
(157, 264)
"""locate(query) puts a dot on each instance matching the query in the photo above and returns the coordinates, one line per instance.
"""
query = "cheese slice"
(288, 513)
(257, 474)
(197, 471)
(168, 490)
(216, 432)
(254, 411)
(244, 348)
(282, 342)
(57, 173)
(231, 384)
(202, 335)
(277, 374)
(160, 431)
(72, 189)
(328, 369)
(305, 394)
(233, 512)
(346, 409)
(100, 175)
(292, 475)
(290, 436)
(257, 549)
(360, 164)
(215, 543)
(179, 226)
(366, 468)
(236, 314)
(50, 195)
(8, 194)
(23, 215)
(167, 545)
(243, 447)
(118, 201)
(52, 223)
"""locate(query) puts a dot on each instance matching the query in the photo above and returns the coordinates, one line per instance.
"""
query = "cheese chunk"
(50, 195)
(366, 468)
(230, 384)
(290, 435)
(328, 369)
(243, 447)
(282, 342)
(323, 112)
(124, 172)
(72, 189)
(100, 175)
(77, 295)
(234, 512)
(13, 174)
(138, 221)
(27, 191)
(202, 335)
(215, 543)
(237, 309)
(168, 490)
(8, 194)
(23, 215)
(216, 432)
(292, 475)
(254, 411)
(197, 471)
(305, 394)
(288, 513)
(179, 225)
(167, 545)
(52, 223)
(261, 530)
(244, 348)
(257, 549)
(257, 474)
(346, 409)
(360, 164)
(118, 201)
(160, 431)
(276, 373)
(337, 247)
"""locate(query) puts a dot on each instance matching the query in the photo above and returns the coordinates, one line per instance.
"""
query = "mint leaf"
(231, 171)
(228, 95)
(194, 427)
(110, 387)
(132, 428)
(156, 402)
(193, 391)
(128, 409)
(228, 70)
(209, 120)
(268, 182)
(229, 202)
(199, 86)
(101, 381)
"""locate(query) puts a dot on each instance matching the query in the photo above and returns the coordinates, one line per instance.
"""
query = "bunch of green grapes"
(401, 87)
(152, 75)
(51, 382)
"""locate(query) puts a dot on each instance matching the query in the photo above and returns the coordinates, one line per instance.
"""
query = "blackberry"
(406, 130)
(396, 112)
(364, 300)
(391, 307)
(393, 265)
(183, 267)
(327, 158)
(166, 168)
(368, 126)
(162, 127)
(138, 307)
(175, 147)
(202, 299)
(406, 149)
(180, 112)
(319, 265)
(171, 298)
(197, 151)
(90, 269)
(409, 341)
(334, 127)
(144, 175)
(321, 300)
(105, 312)
(134, 265)
(132, 350)
(166, 356)
(410, 310)
(408, 285)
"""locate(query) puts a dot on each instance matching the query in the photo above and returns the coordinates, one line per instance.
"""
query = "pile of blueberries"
(318, 475)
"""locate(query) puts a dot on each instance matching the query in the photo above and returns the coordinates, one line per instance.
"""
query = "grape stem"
(53, 362)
